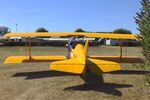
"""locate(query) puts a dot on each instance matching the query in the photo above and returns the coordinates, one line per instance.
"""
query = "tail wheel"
(91, 78)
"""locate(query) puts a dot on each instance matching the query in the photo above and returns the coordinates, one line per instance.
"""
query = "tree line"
(119, 30)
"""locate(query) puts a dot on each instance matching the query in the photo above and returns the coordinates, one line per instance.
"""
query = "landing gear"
(92, 79)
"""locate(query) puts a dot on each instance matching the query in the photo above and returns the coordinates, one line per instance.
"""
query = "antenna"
(16, 27)
(9, 28)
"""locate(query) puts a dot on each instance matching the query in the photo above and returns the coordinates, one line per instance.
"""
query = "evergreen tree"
(143, 21)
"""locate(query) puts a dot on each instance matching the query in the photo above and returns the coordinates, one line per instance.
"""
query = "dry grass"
(34, 81)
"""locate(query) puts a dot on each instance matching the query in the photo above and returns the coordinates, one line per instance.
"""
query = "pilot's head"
(72, 38)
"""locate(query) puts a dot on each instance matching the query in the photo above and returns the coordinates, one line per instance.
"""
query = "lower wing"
(21, 59)
(124, 59)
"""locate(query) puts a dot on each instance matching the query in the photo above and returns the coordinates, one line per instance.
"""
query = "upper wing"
(95, 35)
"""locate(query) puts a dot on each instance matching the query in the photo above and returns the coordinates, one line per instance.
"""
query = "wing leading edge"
(94, 35)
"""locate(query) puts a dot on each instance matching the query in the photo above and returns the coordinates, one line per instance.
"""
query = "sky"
(68, 15)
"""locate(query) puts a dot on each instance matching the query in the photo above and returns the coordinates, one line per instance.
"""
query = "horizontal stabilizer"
(70, 66)
(102, 66)
(21, 59)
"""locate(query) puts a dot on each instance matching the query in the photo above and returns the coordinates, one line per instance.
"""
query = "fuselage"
(80, 52)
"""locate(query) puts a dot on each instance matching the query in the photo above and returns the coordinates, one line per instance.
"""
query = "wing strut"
(126, 48)
(121, 48)
(29, 48)
(120, 44)
(26, 47)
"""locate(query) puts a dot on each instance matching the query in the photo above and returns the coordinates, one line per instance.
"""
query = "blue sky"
(68, 15)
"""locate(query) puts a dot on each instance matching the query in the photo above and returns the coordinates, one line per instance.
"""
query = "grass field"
(34, 81)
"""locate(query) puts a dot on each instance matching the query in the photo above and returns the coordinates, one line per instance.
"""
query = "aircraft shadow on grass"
(108, 88)
(131, 72)
(48, 74)
(41, 74)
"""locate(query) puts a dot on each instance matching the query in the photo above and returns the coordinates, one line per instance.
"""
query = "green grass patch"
(148, 79)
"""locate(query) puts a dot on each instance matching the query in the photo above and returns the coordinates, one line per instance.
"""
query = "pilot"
(71, 45)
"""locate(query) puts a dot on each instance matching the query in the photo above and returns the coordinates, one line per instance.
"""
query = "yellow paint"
(94, 35)
(20, 59)
(112, 57)
(79, 54)
(102, 66)
(124, 59)
(70, 66)
(15, 59)
(76, 64)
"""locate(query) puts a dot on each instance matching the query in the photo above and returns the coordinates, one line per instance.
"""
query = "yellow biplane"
(90, 68)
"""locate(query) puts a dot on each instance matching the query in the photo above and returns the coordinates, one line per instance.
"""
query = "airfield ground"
(34, 81)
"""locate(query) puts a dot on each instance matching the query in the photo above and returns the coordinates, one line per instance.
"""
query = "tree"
(79, 30)
(142, 19)
(122, 31)
(3, 30)
(41, 30)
